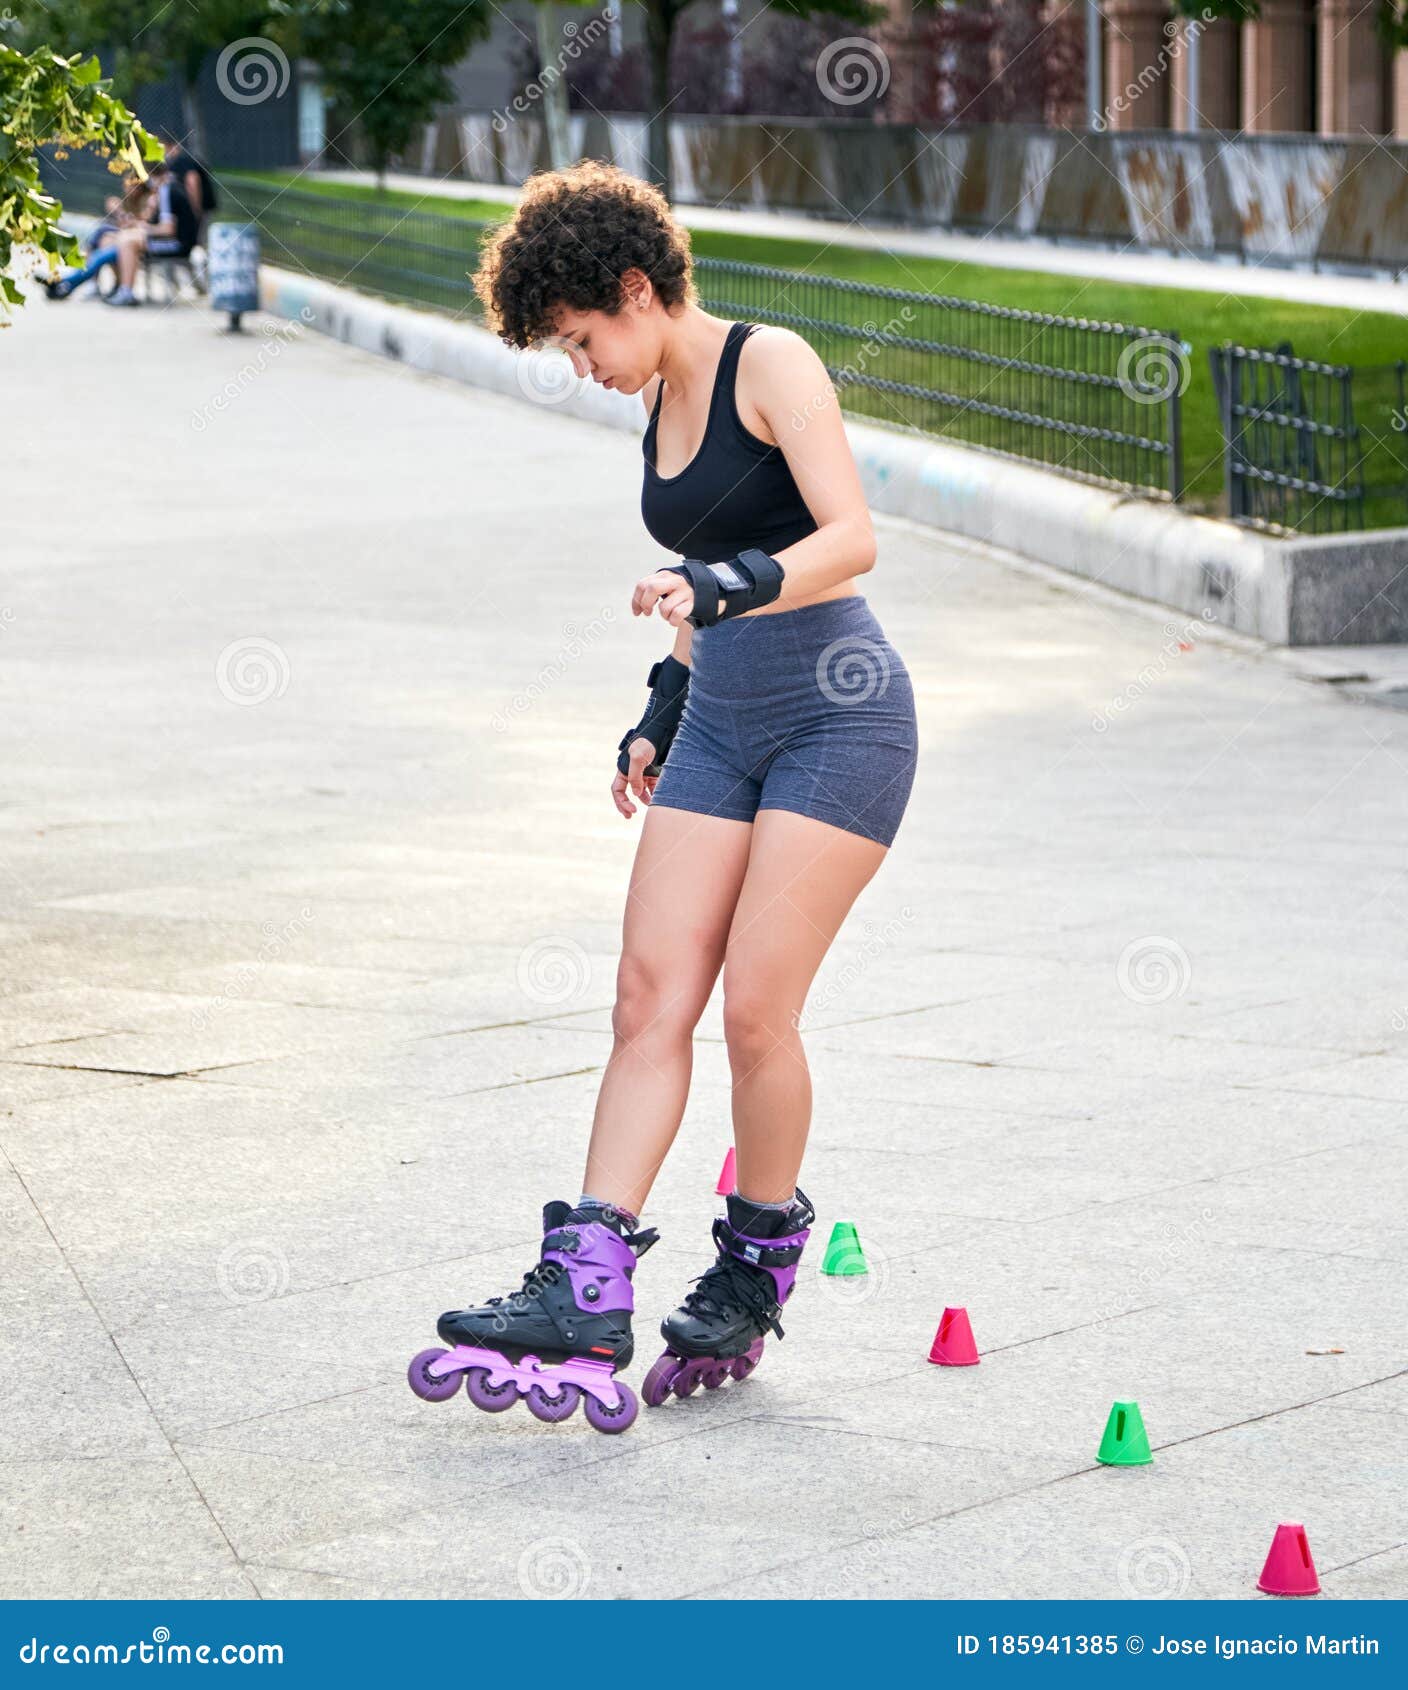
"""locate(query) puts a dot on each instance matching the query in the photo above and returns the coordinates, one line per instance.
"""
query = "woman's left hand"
(671, 594)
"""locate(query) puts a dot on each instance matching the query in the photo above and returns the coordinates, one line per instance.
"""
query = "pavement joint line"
(131, 1073)
(1388, 1549)
(548, 1444)
(525, 1021)
(1288, 1408)
(127, 1366)
(1045, 1484)
(1325, 1093)
(529, 1080)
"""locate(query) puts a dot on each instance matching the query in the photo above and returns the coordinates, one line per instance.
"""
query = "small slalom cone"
(1289, 1569)
(1126, 1443)
(953, 1344)
(843, 1252)
(728, 1174)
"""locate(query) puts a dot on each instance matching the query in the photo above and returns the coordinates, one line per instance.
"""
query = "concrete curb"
(1333, 590)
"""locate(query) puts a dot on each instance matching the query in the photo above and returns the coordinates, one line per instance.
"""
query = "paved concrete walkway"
(1005, 252)
(312, 670)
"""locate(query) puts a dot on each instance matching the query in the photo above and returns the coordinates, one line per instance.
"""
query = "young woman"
(774, 760)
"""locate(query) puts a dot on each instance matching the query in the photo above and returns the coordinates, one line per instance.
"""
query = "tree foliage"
(49, 100)
(384, 63)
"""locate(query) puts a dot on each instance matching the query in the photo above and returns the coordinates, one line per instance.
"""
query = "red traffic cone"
(1289, 1569)
(953, 1344)
(728, 1174)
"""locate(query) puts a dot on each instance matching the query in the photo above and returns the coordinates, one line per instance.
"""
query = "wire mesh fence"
(1311, 448)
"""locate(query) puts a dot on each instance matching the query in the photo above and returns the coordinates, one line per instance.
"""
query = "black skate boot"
(559, 1338)
(717, 1332)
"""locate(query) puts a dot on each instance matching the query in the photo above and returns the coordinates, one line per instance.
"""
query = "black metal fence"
(1100, 401)
(1311, 448)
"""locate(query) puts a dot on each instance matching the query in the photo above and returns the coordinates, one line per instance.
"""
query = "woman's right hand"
(642, 755)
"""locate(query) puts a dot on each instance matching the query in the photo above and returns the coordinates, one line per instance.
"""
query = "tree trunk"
(659, 31)
(553, 84)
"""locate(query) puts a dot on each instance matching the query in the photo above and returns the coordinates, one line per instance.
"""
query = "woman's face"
(620, 352)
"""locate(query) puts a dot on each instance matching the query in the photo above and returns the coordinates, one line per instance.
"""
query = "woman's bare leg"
(131, 243)
(684, 886)
(803, 877)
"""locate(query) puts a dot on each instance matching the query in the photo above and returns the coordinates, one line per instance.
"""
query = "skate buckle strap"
(569, 1238)
(761, 1252)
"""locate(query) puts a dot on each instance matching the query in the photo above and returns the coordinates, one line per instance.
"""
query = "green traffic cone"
(1126, 1443)
(843, 1253)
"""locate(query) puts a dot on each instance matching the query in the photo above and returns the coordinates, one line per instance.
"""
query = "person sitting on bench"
(168, 230)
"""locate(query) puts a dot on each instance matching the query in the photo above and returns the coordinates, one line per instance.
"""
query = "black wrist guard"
(668, 681)
(728, 589)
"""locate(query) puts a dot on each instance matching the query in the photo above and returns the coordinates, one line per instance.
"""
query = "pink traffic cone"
(728, 1174)
(953, 1344)
(1289, 1569)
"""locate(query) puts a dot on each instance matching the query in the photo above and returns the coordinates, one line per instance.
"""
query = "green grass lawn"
(1202, 318)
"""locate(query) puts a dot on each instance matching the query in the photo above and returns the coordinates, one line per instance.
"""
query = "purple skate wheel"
(660, 1380)
(552, 1409)
(429, 1389)
(493, 1399)
(688, 1382)
(612, 1419)
(717, 1375)
(748, 1361)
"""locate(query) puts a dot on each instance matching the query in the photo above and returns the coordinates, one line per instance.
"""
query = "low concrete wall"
(1282, 199)
(1338, 590)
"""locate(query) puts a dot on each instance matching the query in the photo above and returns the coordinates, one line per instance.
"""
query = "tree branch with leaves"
(48, 100)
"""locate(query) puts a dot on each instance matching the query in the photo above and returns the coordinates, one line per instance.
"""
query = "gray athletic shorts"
(806, 710)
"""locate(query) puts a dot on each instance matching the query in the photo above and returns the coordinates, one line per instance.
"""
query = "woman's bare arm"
(782, 379)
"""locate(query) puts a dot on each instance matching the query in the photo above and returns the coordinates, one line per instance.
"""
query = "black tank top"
(735, 492)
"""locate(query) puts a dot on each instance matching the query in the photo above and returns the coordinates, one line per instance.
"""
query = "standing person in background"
(191, 175)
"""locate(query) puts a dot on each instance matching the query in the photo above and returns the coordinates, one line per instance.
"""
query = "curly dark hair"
(573, 236)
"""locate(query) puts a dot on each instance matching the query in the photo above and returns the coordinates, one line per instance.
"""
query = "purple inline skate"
(560, 1338)
(717, 1333)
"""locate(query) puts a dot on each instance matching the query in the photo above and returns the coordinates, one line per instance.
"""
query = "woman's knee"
(755, 1022)
(650, 1004)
